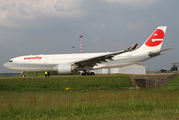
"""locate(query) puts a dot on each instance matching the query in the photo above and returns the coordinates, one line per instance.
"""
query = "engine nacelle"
(64, 69)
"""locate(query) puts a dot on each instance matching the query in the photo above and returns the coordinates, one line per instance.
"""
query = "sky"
(54, 26)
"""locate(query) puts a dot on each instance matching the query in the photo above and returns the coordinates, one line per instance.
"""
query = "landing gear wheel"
(84, 73)
(92, 73)
(87, 73)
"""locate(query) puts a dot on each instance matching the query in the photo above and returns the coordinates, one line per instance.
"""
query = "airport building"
(175, 67)
(131, 69)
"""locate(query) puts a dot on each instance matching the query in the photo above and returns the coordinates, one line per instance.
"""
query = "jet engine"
(65, 68)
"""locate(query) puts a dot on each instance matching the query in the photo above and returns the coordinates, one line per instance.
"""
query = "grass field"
(90, 97)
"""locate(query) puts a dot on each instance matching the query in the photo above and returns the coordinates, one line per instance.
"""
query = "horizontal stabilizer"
(154, 54)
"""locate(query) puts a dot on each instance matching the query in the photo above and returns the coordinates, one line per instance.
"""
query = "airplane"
(66, 63)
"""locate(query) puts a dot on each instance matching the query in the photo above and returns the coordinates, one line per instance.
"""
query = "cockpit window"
(10, 61)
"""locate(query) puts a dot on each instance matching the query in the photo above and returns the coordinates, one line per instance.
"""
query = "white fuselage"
(50, 62)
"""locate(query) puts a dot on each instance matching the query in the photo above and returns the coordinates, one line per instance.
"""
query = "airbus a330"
(66, 63)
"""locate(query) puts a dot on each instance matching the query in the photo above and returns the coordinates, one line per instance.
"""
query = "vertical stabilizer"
(154, 42)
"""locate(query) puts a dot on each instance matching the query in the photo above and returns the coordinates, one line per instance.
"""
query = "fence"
(8, 74)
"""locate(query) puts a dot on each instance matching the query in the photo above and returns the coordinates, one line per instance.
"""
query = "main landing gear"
(87, 73)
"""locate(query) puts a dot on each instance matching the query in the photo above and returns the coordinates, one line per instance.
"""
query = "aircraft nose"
(6, 65)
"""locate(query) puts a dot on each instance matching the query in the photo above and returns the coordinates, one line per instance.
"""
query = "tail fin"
(154, 42)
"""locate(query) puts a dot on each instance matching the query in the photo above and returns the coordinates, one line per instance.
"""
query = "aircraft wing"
(154, 54)
(103, 58)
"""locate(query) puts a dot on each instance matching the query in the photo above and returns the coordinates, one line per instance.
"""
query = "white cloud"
(67, 5)
(135, 3)
(23, 9)
(13, 10)
(131, 26)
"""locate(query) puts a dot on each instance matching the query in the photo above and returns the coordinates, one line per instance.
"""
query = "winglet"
(133, 47)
